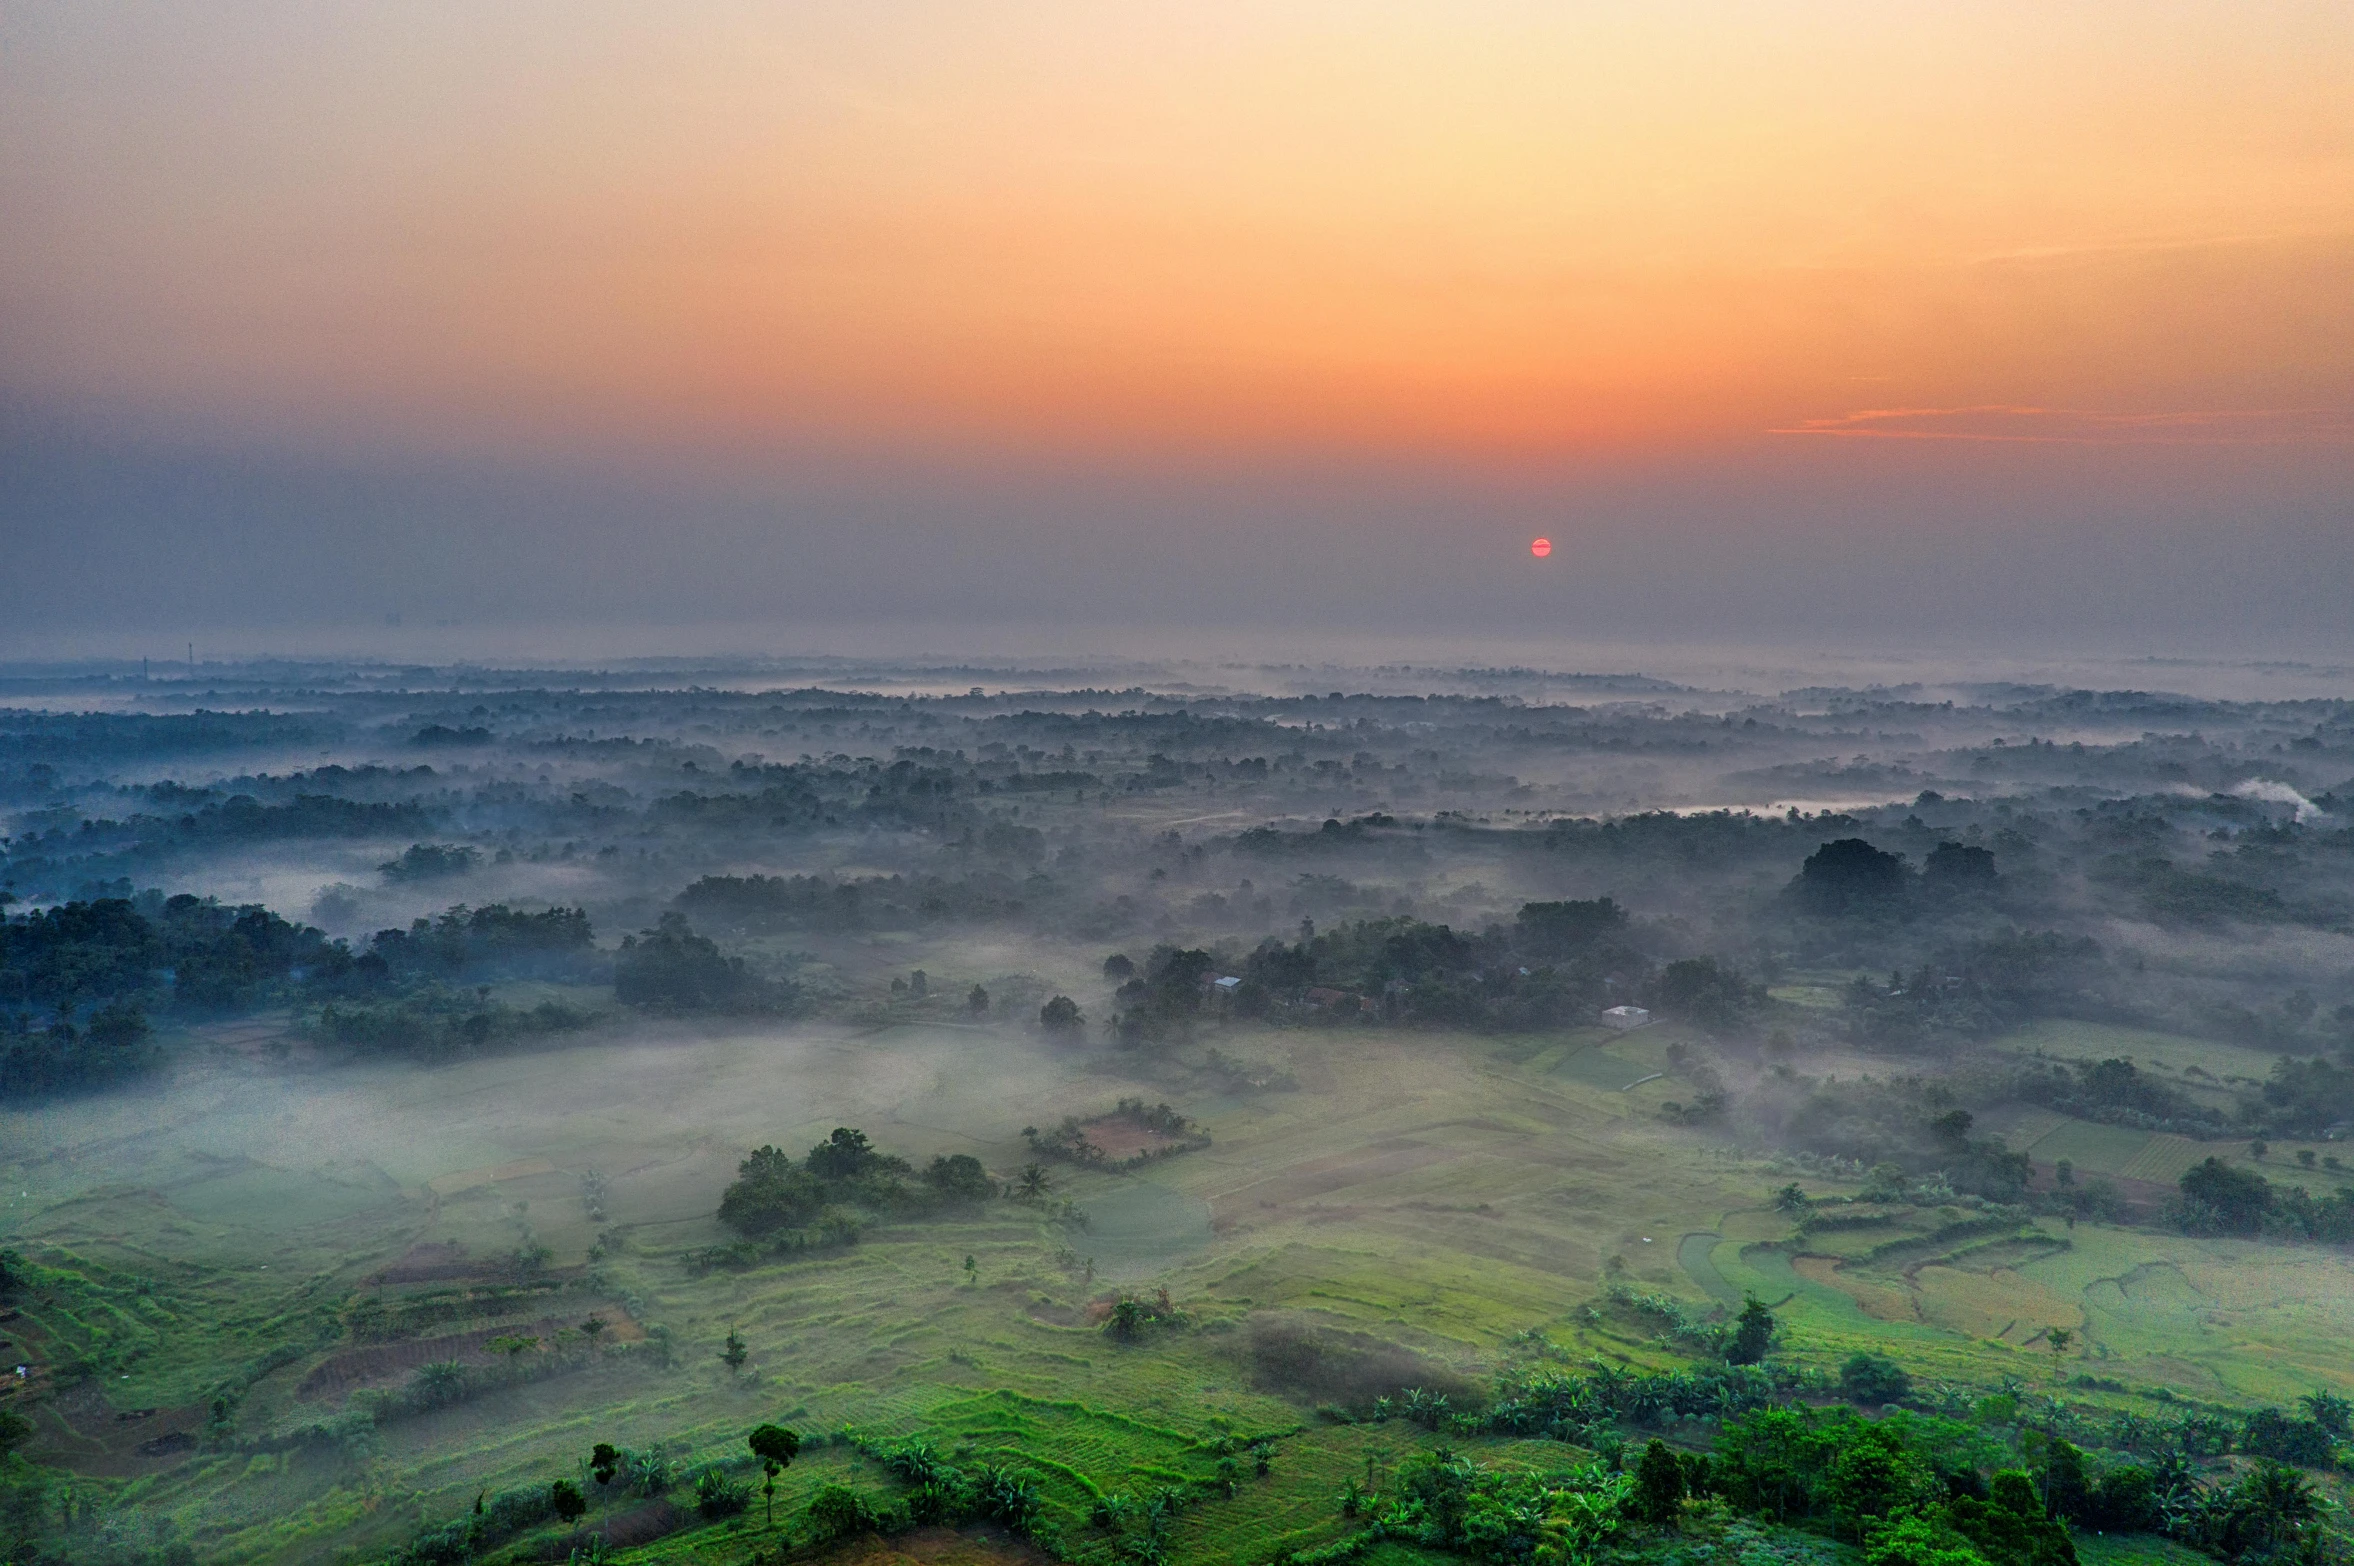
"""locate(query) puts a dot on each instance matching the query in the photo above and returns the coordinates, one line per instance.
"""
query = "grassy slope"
(1442, 1193)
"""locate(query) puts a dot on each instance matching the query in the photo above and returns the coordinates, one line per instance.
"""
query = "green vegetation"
(1968, 1196)
(2220, 1199)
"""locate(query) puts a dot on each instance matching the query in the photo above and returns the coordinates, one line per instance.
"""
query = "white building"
(1625, 1017)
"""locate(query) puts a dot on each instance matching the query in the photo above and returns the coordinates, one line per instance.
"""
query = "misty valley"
(733, 1111)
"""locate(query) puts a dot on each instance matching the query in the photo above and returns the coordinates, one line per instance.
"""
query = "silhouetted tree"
(1958, 867)
(1849, 876)
(774, 1445)
(770, 1192)
(844, 1155)
(2216, 1198)
(1753, 1332)
(670, 965)
(959, 1177)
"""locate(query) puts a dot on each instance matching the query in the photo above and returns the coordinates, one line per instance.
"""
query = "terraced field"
(1435, 1194)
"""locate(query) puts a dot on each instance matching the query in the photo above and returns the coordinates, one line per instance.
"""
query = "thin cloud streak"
(2088, 427)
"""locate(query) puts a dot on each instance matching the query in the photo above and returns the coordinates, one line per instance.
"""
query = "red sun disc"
(1540, 547)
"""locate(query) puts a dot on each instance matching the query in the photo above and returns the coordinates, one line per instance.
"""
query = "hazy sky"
(1978, 320)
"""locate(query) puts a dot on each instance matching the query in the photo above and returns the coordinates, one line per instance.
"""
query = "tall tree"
(775, 1446)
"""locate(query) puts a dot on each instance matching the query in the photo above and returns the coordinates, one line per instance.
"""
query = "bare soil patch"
(81, 1431)
(379, 1363)
(1119, 1137)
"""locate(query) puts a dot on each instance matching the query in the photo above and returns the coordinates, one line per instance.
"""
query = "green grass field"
(1434, 1193)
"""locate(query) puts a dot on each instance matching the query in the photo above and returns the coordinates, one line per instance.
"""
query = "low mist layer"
(1201, 1115)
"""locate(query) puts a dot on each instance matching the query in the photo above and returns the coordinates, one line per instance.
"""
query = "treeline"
(1912, 1128)
(203, 954)
(1907, 1489)
(193, 950)
(79, 981)
(2306, 1098)
(671, 968)
(81, 736)
(549, 943)
(1978, 988)
(1557, 965)
(1560, 963)
(2165, 893)
(98, 845)
(2221, 1198)
(1976, 936)
(435, 1023)
(112, 1042)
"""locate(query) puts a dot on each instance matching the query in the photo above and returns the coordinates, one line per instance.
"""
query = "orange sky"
(1485, 230)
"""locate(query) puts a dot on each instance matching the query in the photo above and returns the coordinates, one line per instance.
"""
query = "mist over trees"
(1837, 950)
(1393, 878)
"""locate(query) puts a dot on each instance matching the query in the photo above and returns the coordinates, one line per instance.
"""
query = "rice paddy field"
(303, 1234)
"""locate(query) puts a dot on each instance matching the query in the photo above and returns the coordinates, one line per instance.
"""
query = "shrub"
(718, 1496)
(837, 1511)
(2303, 1442)
(1874, 1379)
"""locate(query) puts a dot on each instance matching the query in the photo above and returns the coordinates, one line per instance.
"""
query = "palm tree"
(443, 1381)
(2328, 1410)
(1033, 1182)
(2059, 1338)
